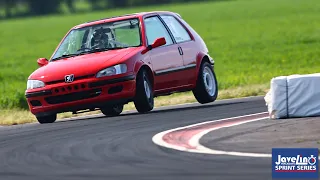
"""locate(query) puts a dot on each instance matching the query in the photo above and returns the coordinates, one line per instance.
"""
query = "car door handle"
(180, 51)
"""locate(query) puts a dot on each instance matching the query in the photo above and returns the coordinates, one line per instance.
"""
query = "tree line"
(43, 7)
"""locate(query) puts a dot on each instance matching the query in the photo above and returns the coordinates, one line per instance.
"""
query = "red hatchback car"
(107, 63)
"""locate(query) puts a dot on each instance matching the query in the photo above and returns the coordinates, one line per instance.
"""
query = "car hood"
(83, 65)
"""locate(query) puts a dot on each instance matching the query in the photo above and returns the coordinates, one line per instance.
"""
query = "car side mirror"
(157, 43)
(42, 62)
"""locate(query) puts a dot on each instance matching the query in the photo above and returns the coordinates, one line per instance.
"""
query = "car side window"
(155, 29)
(180, 34)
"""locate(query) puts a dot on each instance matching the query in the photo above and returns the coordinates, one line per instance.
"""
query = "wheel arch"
(142, 66)
(201, 58)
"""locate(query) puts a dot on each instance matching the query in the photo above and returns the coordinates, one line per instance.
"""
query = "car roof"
(122, 17)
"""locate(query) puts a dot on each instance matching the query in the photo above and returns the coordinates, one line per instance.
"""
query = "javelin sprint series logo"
(295, 162)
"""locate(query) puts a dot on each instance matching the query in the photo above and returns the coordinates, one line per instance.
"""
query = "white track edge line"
(194, 141)
(206, 122)
(160, 107)
(101, 115)
(158, 138)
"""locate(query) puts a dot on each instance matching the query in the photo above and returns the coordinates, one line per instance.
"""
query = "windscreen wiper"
(93, 51)
(87, 52)
(64, 56)
(100, 50)
(106, 49)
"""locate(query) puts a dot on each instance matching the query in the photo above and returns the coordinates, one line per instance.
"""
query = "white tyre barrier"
(294, 96)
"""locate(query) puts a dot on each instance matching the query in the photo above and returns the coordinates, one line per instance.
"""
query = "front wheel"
(47, 119)
(207, 87)
(112, 111)
(143, 100)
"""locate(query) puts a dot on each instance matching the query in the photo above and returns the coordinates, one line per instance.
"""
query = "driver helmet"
(100, 38)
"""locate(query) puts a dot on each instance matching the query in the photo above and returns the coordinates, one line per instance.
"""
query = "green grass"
(250, 40)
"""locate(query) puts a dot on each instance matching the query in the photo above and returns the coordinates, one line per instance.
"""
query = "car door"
(186, 45)
(166, 60)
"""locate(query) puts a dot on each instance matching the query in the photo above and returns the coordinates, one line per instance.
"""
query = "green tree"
(41, 7)
(119, 3)
(70, 4)
(8, 5)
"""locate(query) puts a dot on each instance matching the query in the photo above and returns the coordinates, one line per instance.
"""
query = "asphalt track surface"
(122, 148)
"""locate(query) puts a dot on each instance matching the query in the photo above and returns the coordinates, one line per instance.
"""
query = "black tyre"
(113, 110)
(143, 100)
(47, 119)
(207, 87)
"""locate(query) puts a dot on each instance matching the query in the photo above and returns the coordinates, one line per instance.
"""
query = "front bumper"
(80, 95)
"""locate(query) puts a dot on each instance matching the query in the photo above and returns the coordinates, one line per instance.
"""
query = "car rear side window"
(179, 33)
(155, 29)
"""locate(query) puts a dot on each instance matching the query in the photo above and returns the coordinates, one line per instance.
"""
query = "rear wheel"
(207, 87)
(143, 100)
(113, 110)
(47, 119)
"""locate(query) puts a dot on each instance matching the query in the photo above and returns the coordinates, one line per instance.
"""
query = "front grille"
(73, 96)
(69, 88)
(75, 79)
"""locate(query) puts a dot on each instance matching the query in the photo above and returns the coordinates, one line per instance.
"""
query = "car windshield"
(102, 37)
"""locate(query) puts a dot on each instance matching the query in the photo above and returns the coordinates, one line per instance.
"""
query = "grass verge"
(18, 116)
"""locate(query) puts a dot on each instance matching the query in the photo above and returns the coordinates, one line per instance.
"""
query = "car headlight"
(33, 84)
(117, 69)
